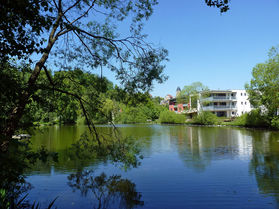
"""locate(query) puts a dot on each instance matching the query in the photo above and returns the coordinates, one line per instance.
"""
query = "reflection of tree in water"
(109, 192)
(14, 163)
(265, 162)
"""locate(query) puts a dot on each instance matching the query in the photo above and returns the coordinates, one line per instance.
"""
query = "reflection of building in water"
(198, 146)
(244, 144)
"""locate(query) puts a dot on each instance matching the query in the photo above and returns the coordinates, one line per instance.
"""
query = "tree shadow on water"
(14, 164)
(107, 191)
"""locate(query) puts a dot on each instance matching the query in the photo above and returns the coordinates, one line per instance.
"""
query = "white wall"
(242, 103)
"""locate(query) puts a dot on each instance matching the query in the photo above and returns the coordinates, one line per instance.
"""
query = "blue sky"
(219, 50)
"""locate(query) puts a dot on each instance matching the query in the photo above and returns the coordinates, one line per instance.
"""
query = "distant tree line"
(103, 101)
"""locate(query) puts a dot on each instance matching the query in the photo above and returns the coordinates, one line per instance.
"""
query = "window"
(242, 112)
(232, 94)
(240, 94)
(244, 94)
(232, 112)
(245, 103)
(242, 103)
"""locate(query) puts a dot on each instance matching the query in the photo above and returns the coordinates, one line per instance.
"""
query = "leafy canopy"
(263, 88)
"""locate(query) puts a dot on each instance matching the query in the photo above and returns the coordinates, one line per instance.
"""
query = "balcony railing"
(218, 107)
(218, 98)
(221, 97)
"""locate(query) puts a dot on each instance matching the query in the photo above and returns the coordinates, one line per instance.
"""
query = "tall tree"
(94, 43)
(79, 33)
(263, 88)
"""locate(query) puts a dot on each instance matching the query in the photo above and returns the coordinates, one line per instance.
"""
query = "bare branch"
(75, 4)
(85, 13)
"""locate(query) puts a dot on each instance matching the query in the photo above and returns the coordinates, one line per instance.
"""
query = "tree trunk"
(13, 120)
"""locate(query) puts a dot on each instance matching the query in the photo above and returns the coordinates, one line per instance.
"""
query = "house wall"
(243, 105)
(235, 103)
(171, 107)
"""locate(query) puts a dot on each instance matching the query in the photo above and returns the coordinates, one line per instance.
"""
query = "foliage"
(254, 118)
(167, 116)
(104, 102)
(264, 85)
(275, 123)
(95, 43)
(21, 24)
(206, 118)
(192, 91)
(141, 113)
(222, 4)
(132, 115)
(34, 26)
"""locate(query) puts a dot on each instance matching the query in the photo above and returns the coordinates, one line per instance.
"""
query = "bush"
(171, 117)
(275, 123)
(253, 119)
(256, 119)
(240, 121)
(206, 118)
(131, 115)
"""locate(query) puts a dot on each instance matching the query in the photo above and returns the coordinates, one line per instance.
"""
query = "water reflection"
(108, 192)
(223, 165)
(265, 162)
(199, 146)
(14, 164)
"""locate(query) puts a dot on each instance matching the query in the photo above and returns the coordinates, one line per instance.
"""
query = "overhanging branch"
(77, 97)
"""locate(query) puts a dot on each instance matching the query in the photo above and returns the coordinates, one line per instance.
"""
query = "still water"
(183, 167)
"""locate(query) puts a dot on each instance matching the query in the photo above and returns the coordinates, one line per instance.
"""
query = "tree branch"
(89, 122)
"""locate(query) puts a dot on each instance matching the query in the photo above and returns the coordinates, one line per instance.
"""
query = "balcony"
(219, 107)
(219, 98)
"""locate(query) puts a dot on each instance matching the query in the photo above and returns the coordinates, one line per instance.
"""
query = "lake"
(183, 167)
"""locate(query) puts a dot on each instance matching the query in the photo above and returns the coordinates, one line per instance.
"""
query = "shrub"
(253, 119)
(131, 115)
(171, 117)
(206, 118)
(240, 121)
(275, 123)
(256, 119)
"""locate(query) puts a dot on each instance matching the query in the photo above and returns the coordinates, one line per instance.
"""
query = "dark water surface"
(183, 167)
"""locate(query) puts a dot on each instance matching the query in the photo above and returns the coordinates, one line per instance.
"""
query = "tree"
(91, 41)
(223, 5)
(263, 89)
(134, 60)
(21, 24)
(192, 91)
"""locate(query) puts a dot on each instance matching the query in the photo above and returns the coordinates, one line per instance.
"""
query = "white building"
(225, 103)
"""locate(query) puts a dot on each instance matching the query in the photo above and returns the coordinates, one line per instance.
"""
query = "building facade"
(224, 103)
